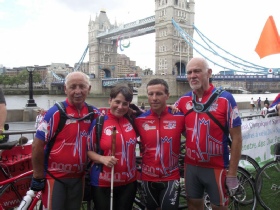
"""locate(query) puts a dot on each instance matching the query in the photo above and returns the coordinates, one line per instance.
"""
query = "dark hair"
(159, 82)
(124, 90)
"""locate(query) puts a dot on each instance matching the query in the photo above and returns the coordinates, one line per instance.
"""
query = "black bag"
(88, 188)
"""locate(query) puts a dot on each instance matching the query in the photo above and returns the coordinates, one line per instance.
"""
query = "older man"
(59, 156)
(211, 115)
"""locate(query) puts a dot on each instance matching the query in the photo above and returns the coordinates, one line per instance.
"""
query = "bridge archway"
(181, 68)
(107, 73)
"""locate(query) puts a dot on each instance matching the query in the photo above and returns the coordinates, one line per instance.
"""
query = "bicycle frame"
(15, 170)
(10, 185)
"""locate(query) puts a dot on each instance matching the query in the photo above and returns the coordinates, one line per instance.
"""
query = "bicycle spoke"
(269, 191)
(245, 197)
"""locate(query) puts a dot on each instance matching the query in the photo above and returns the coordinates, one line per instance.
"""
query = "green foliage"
(36, 77)
(21, 78)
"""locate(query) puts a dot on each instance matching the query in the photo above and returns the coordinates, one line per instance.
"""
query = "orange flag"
(269, 42)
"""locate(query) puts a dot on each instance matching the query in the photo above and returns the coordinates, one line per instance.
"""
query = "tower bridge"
(171, 55)
(132, 29)
(173, 25)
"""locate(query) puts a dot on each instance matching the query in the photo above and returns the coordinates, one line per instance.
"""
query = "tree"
(6, 80)
(36, 77)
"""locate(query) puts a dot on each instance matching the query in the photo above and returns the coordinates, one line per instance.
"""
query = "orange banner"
(269, 41)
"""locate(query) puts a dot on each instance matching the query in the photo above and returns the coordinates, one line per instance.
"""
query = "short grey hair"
(67, 78)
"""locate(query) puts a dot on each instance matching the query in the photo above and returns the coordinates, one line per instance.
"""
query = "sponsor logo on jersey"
(189, 105)
(169, 124)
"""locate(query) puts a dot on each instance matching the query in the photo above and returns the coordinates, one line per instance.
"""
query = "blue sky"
(41, 32)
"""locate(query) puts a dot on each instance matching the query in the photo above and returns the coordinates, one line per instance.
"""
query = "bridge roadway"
(109, 82)
(132, 29)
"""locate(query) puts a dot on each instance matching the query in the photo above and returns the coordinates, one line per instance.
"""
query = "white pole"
(180, 57)
(112, 188)
(113, 145)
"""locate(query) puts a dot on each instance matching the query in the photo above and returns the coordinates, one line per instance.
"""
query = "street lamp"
(30, 101)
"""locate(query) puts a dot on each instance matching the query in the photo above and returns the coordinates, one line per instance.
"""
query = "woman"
(124, 159)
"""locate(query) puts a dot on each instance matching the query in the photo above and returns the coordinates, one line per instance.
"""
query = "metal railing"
(13, 138)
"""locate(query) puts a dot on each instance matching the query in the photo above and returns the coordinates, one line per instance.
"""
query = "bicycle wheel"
(268, 183)
(249, 164)
(245, 197)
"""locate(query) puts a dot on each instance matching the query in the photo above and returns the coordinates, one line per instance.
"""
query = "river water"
(46, 101)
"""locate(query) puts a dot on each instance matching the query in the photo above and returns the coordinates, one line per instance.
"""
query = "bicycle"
(245, 196)
(10, 186)
(250, 164)
(16, 175)
(16, 172)
(268, 182)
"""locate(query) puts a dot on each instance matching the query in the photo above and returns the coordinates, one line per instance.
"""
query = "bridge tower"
(172, 53)
(102, 52)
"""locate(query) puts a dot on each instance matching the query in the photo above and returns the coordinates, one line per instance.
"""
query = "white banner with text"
(259, 137)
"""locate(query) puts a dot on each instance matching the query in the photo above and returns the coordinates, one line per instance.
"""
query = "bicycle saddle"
(8, 145)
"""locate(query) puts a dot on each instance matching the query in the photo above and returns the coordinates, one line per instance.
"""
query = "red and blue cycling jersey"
(160, 138)
(68, 155)
(125, 169)
(273, 107)
(276, 101)
(206, 141)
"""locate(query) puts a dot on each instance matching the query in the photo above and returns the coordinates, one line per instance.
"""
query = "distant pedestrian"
(259, 107)
(143, 106)
(266, 102)
(252, 104)
(39, 117)
(264, 110)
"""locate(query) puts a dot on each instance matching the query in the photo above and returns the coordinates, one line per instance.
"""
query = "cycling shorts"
(199, 180)
(63, 194)
(123, 197)
(161, 194)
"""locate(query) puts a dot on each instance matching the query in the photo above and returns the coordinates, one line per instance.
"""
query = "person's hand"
(37, 184)
(108, 161)
(134, 110)
(232, 184)
(173, 109)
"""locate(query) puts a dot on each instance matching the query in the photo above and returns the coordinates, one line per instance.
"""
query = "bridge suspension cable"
(237, 66)
(81, 60)
(75, 69)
